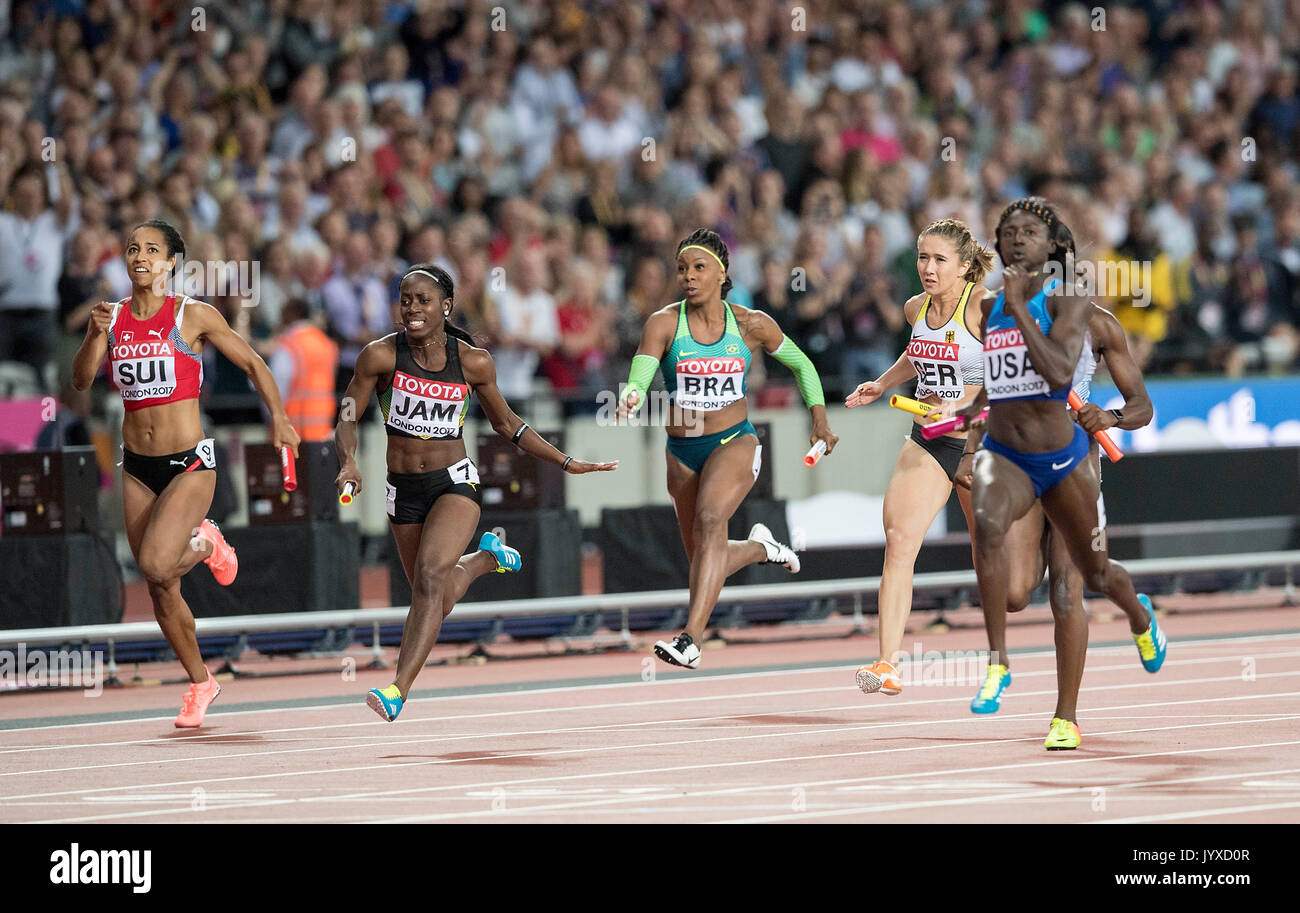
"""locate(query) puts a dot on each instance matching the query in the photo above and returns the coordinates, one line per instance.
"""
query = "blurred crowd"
(551, 153)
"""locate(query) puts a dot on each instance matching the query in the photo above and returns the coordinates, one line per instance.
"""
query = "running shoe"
(1151, 644)
(508, 559)
(777, 553)
(387, 702)
(222, 561)
(989, 698)
(1064, 736)
(681, 652)
(197, 701)
(879, 676)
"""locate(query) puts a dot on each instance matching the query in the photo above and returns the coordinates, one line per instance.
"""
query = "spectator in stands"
(304, 363)
(526, 323)
(576, 369)
(32, 238)
(356, 303)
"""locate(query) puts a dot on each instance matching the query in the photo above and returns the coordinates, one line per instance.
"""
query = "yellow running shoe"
(1064, 736)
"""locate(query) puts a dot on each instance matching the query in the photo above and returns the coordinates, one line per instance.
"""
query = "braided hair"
(1058, 233)
(448, 288)
(709, 240)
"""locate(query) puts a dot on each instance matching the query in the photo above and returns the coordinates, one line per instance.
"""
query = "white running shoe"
(681, 652)
(777, 553)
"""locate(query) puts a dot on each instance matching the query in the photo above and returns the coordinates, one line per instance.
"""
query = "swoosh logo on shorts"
(726, 439)
(1063, 465)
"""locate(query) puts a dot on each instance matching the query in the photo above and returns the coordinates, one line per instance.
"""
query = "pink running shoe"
(197, 701)
(222, 561)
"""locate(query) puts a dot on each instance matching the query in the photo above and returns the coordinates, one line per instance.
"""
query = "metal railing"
(604, 605)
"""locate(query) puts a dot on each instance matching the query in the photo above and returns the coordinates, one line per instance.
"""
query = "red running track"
(1215, 736)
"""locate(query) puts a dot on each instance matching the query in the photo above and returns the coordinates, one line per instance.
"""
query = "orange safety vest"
(309, 402)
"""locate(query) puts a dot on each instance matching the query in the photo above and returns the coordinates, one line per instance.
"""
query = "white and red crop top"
(148, 360)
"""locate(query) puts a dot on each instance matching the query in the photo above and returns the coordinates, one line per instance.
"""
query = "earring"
(446, 312)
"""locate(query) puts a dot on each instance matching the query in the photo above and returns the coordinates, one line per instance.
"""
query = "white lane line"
(507, 812)
(423, 740)
(369, 722)
(412, 792)
(353, 701)
(1083, 791)
(1208, 813)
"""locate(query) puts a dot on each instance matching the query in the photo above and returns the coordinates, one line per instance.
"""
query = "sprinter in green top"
(704, 346)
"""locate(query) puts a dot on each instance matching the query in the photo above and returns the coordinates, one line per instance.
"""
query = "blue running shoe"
(508, 560)
(387, 702)
(1151, 644)
(989, 698)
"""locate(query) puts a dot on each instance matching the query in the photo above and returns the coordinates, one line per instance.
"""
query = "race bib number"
(463, 472)
(758, 461)
(144, 370)
(938, 371)
(427, 408)
(390, 498)
(206, 451)
(1008, 372)
(710, 384)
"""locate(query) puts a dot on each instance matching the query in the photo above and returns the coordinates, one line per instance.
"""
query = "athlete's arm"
(213, 327)
(900, 371)
(481, 374)
(656, 336)
(376, 360)
(1054, 356)
(965, 474)
(781, 347)
(1112, 344)
(93, 348)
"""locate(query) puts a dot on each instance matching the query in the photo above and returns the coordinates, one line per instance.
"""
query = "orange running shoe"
(222, 561)
(879, 676)
(197, 701)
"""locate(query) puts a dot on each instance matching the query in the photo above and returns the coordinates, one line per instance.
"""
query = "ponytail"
(968, 248)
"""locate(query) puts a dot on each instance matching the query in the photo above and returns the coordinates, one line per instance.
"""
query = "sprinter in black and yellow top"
(946, 355)
(425, 375)
(703, 345)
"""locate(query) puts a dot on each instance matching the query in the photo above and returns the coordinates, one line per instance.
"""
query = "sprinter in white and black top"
(425, 375)
(945, 354)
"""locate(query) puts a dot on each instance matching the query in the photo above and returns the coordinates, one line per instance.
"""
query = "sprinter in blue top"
(1033, 335)
(704, 344)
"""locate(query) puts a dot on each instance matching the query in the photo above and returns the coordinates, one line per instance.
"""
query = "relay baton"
(1101, 437)
(289, 468)
(916, 407)
(349, 489)
(815, 453)
(956, 423)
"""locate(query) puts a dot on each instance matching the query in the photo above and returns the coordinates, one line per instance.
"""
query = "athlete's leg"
(468, 569)
(683, 488)
(159, 531)
(723, 483)
(1001, 493)
(1026, 544)
(442, 540)
(1071, 507)
(917, 491)
(1071, 628)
